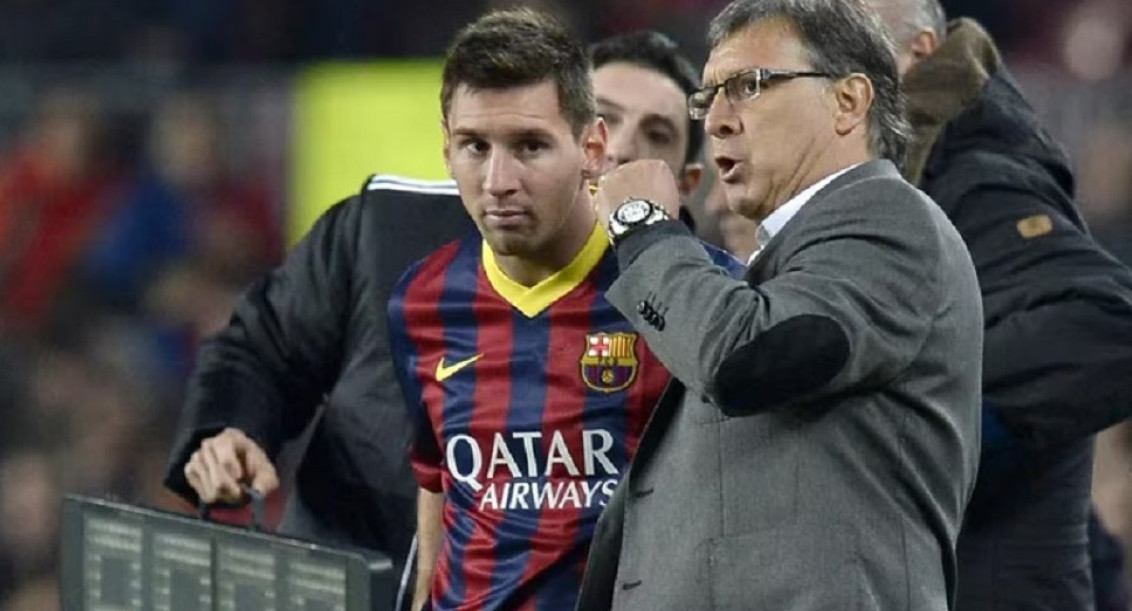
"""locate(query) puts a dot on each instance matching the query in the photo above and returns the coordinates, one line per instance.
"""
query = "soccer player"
(528, 390)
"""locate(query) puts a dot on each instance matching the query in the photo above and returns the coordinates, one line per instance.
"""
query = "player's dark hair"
(515, 48)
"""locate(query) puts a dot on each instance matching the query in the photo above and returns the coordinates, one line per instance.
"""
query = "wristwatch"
(633, 213)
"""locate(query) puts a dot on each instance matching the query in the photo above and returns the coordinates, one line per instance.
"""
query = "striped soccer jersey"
(528, 404)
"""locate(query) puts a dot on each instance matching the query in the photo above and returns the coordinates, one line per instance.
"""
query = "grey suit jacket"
(822, 444)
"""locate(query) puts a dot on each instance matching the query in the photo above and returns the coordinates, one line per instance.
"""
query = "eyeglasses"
(745, 85)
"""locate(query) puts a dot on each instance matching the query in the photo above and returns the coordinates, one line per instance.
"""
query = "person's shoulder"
(430, 272)
(394, 185)
(401, 193)
(878, 187)
(415, 216)
(387, 201)
(879, 174)
(874, 199)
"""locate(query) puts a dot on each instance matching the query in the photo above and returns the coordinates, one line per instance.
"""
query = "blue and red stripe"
(506, 551)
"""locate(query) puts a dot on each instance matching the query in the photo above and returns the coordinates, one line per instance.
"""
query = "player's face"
(646, 114)
(519, 169)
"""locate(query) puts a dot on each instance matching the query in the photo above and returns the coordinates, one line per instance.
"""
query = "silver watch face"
(633, 212)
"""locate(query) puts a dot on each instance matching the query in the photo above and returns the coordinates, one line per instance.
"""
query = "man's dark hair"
(655, 51)
(842, 37)
(516, 48)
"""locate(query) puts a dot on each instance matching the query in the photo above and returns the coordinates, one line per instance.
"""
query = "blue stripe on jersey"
(528, 389)
(404, 352)
(460, 329)
(462, 531)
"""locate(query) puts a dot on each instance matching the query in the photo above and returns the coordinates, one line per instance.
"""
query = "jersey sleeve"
(424, 453)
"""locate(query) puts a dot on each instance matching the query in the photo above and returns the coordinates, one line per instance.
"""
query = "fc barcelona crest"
(609, 361)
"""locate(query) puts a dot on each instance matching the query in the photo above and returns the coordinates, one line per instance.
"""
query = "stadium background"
(155, 155)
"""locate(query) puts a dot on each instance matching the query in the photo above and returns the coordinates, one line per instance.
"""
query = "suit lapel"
(757, 270)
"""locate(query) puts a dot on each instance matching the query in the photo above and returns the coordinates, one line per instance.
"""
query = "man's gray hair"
(907, 18)
(929, 15)
(841, 37)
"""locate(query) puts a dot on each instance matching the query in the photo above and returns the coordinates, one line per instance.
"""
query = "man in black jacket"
(313, 332)
(1058, 344)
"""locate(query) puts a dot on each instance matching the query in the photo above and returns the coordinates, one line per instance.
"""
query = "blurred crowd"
(196, 32)
(124, 238)
(142, 185)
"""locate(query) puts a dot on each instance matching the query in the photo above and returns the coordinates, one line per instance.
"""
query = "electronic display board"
(118, 557)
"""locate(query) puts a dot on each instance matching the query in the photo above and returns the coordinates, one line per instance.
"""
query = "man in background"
(1058, 309)
(641, 82)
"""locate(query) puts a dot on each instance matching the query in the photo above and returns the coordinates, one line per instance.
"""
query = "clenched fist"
(225, 461)
(644, 178)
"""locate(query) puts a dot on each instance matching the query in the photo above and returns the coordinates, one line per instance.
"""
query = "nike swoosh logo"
(443, 373)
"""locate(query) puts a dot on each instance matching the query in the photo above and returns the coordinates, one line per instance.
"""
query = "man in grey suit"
(822, 442)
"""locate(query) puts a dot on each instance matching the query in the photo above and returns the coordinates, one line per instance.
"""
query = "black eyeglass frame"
(700, 101)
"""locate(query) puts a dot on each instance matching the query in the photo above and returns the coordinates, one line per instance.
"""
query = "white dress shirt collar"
(774, 223)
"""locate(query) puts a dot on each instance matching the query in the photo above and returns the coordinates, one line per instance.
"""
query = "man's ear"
(923, 44)
(447, 152)
(595, 138)
(853, 97)
(690, 179)
(918, 48)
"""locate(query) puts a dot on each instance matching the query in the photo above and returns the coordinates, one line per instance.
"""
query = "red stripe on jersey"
(422, 315)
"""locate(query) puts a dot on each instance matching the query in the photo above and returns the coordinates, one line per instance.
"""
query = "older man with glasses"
(820, 444)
